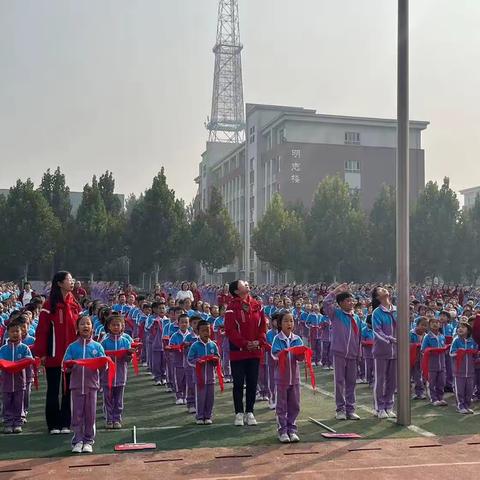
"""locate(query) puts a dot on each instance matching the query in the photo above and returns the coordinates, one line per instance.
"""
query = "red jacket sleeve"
(41, 334)
(231, 330)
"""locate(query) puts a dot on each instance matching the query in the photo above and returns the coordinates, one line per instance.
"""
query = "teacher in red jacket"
(245, 328)
(55, 332)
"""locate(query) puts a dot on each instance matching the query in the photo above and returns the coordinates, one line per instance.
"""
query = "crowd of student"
(188, 345)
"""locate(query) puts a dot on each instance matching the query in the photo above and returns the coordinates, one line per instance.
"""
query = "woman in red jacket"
(245, 328)
(55, 332)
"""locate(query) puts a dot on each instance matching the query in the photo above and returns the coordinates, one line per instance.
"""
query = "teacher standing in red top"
(55, 332)
(245, 329)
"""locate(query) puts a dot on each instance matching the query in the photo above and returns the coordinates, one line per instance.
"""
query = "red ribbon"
(122, 353)
(461, 353)
(130, 322)
(367, 343)
(448, 340)
(414, 349)
(353, 323)
(92, 364)
(297, 351)
(426, 358)
(19, 365)
(198, 370)
(175, 348)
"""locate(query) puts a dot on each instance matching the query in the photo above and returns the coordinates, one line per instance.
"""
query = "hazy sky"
(125, 85)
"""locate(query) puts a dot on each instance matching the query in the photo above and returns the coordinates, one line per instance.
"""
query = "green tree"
(106, 186)
(215, 242)
(29, 229)
(433, 226)
(381, 234)
(55, 190)
(279, 238)
(88, 249)
(336, 232)
(157, 230)
(472, 242)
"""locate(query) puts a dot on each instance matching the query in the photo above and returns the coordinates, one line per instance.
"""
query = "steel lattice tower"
(227, 121)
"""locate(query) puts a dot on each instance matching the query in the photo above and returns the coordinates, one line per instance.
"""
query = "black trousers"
(245, 372)
(57, 413)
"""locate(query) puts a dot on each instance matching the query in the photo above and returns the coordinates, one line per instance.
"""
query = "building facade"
(469, 196)
(289, 150)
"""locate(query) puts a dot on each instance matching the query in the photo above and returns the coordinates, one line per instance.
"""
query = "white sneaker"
(54, 431)
(391, 414)
(272, 406)
(208, 421)
(158, 382)
(250, 419)
(284, 438)
(382, 414)
(443, 403)
(239, 420)
(77, 448)
(463, 411)
(341, 416)
(470, 411)
(87, 448)
(144, 364)
(65, 431)
(179, 401)
(192, 410)
(200, 422)
(168, 390)
(326, 368)
(294, 438)
(358, 380)
(352, 416)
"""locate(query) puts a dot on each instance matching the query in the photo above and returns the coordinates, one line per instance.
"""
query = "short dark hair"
(343, 296)
(15, 323)
(183, 315)
(201, 323)
(233, 287)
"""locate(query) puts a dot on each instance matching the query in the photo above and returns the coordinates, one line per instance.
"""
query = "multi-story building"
(290, 151)
(469, 196)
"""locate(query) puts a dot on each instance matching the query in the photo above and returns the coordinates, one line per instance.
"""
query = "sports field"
(158, 420)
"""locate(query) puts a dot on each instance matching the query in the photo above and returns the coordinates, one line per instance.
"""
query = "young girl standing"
(116, 341)
(287, 380)
(84, 385)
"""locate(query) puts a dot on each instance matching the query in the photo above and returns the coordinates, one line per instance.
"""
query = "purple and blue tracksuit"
(367, 355)
(169, 328)
(14, 385)
(29, 340)
(190, 339)
(416, 370)
(156, 357)
(288, 384)
(448, 331)
(325, 338)
(270, 367)
(436, 366)
(179, 363)
(84, 385)
(113, 399)
(384, 325)
(205, 394)
(313, 323)
(464, 375)
(346, 352)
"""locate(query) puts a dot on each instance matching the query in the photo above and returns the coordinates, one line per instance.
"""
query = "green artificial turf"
(159, 420)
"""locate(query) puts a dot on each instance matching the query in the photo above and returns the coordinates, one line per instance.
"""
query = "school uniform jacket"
(292, 373)
(198, 350)
(436, 362)
(384, 324)
(13, 352)
(467, 366)
(117, 342)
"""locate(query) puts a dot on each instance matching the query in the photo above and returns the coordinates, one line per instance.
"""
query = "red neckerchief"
(426, 358)
(297, 351)
(367, 343)
(125, 351)
(19, 365)
(353, 322)
(92, 364)
(461, 353)
(414, 349)
(201, 361)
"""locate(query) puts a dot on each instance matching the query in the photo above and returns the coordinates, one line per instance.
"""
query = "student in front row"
(84, 386)
(14, 384)
(205, 385)
(287, 382)
(464, 368)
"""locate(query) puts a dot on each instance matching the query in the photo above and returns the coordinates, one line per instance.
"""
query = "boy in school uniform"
(416, 337)
(176, 346)
(313, 323)
(345, 348)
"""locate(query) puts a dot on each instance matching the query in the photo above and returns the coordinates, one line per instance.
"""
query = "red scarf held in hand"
(19, 365)
(367, 343)
(426, 358)
(414, 349)
(122, 353)
(297, 351)
(448, 340)
(92, 364)
(175, 348)
(461, 354)
(198, 370)
(353, 323)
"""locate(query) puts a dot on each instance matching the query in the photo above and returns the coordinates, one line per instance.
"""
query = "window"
(352, 166)
(269, 140)
(352, 138)
(252, 202)
(252, 163)
(282, 135)
(252, 177)
(252, 134)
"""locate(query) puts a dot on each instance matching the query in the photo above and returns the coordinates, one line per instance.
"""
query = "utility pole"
(403, 223)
